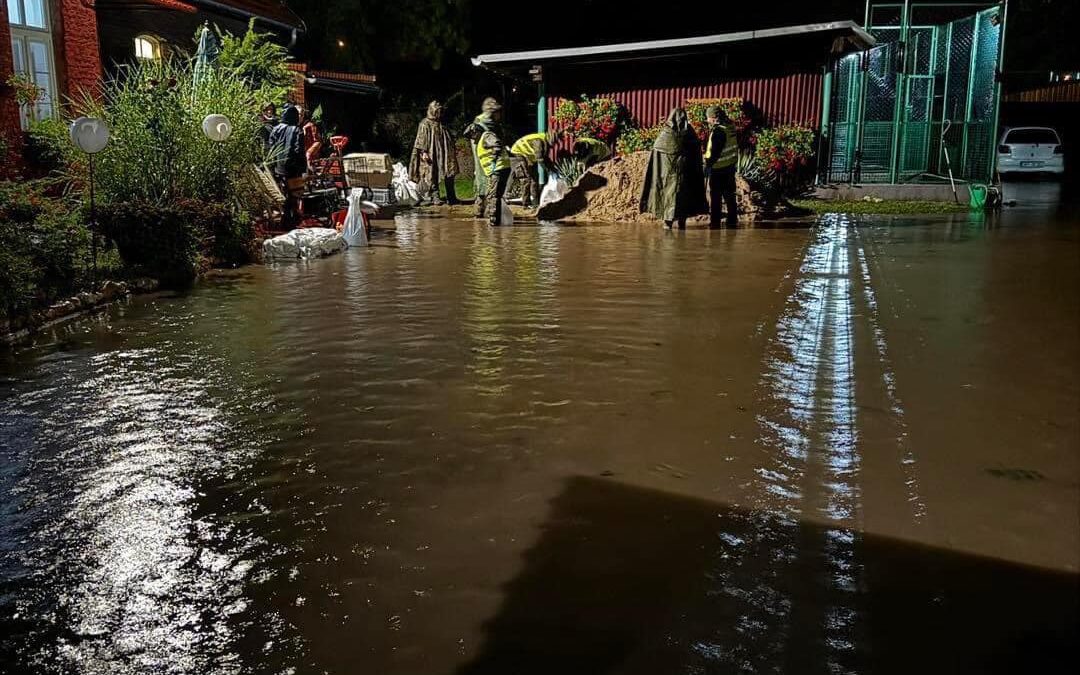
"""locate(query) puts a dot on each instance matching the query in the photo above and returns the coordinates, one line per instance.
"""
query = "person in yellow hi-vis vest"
(721, 162)
(589, 151)
(494, 160)
(528, 153)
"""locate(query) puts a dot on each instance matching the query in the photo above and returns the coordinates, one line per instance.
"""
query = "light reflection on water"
(127, 575)
(488, 451)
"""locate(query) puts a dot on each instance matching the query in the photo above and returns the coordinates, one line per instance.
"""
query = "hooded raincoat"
(675, 181)
(434, 139)
(287, 145)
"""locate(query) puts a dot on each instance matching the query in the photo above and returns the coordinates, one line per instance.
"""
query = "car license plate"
(1030, 164)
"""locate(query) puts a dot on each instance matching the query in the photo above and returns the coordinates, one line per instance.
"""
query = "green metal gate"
(922, 101)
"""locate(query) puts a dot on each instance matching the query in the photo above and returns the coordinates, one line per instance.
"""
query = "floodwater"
(850, 447)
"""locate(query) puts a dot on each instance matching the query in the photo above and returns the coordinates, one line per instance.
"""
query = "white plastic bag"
(355, 230)
(554, 190)
(406, 192)
(507, 215)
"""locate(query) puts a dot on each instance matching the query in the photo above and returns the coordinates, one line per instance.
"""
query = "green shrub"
(786, 152)
(569, 169)
(260, 62)
(599, 118)
(158, 152)
(233, 240)
(18, 276)
(164, 241)
(44, 248)
(48, 149)
(636, 140)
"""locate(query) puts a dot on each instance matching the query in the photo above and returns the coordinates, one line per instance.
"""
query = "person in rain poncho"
(674, 181)
(433, 157)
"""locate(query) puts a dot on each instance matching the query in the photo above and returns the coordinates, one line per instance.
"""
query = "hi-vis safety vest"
(490, 160)
(729, 154)
(598, 151)
(526, 146)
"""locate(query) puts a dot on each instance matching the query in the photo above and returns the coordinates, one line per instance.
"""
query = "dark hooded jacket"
(287, 145)
(674, 180)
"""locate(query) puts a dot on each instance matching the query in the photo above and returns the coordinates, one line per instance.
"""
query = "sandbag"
(554, 190)
(406, 191)
(311, 242)
(355, 230)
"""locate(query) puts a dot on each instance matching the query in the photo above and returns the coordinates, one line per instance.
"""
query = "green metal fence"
(923, 101)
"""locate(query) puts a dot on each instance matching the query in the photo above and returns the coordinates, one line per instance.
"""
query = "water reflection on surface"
(542, 449)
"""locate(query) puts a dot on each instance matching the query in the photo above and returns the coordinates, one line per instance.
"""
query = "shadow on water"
(631, 580)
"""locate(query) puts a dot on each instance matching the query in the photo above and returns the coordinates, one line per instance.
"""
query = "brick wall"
(298, 95)
(77, 47)
(10, 132)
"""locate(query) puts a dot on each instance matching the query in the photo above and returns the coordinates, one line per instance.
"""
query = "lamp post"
(218, 128)
(91, 135)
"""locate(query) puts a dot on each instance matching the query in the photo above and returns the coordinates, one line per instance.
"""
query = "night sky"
(390, 38)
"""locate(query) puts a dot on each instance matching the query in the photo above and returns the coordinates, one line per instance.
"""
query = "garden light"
(91, 135)
(217, 128)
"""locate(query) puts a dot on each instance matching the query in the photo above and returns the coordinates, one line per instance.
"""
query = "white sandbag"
(406, 192)
(311, 242)
(554, 190)
(355, 230)
(507, 215)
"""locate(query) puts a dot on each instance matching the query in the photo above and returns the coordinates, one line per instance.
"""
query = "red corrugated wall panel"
(788, 98)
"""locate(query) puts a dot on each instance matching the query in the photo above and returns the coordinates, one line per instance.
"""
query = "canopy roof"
(845, 37)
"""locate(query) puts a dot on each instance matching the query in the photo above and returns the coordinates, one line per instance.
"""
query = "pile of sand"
(611, 192)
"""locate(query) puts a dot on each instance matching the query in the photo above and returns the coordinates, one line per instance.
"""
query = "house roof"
(273, 11)
(853, 38)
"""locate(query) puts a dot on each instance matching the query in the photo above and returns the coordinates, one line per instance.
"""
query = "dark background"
(420, 49)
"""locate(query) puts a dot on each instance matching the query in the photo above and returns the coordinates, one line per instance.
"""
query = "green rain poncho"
(434, 139)
(675, 180)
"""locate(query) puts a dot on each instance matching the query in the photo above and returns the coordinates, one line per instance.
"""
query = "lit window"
(32, 55)
(147, 48)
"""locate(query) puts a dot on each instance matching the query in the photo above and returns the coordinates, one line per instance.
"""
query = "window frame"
(156, 47)
(22, 34)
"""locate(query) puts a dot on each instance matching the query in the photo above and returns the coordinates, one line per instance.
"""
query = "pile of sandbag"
(310, 242)
(611, 192)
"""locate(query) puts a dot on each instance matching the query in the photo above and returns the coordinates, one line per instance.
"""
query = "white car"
(1031, 150)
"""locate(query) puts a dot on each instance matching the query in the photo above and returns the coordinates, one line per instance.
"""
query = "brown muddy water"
(845, 448)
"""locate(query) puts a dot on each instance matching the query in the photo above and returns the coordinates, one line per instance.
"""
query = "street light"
(91, 135)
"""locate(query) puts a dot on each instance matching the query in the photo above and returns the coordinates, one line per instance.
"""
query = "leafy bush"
(260, 62)
(636, 140)
(785, 150)
(44, 248)
(569, 169)
(158, 152)
(599, 118)
(48, 148)
(165, 241)
(735, 108)
(26, 91)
